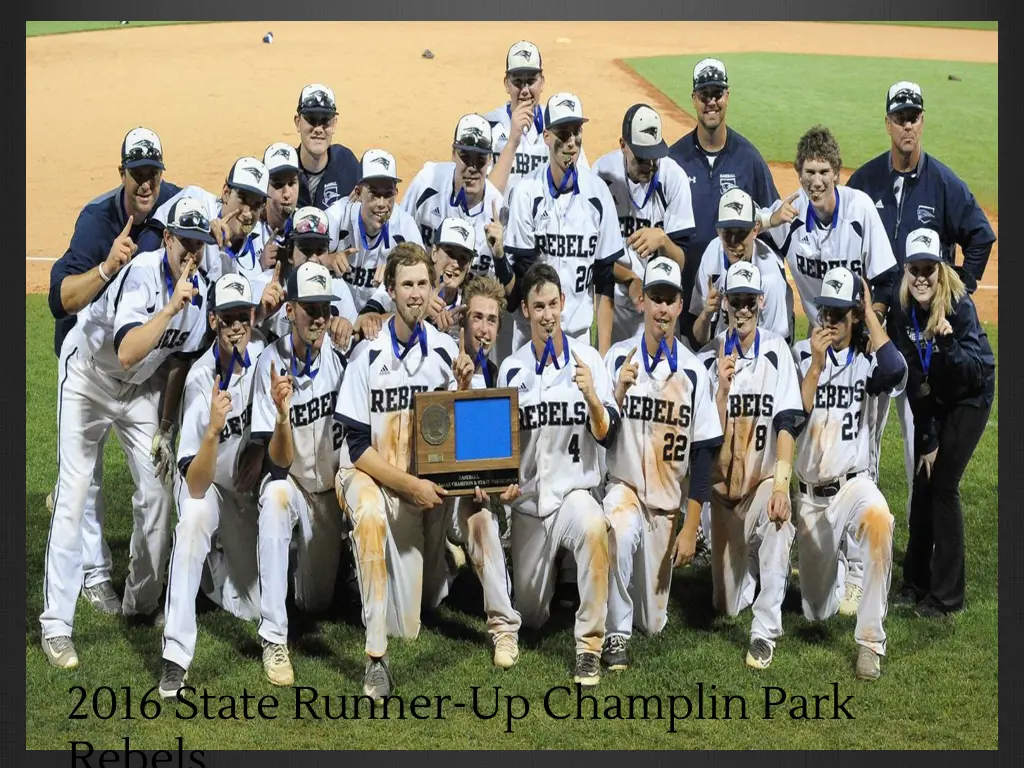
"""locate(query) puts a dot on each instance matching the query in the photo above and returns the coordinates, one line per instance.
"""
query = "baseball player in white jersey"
(294, 395)
(754, 380)
(363, 231)
(398, 520)
(837, 495)
(215, 480)
(566, 412)
(152, 310)
(234, 217)
(660, 460)
(564, 216)
(652, 200)
(738, 228)
(517, 127)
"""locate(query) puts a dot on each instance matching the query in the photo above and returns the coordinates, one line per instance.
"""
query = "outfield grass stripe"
(40, 28)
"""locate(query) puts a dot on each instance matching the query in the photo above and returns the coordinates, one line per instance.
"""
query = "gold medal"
(926, 388)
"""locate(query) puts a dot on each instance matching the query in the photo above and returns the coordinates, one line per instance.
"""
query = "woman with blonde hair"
(951, 387)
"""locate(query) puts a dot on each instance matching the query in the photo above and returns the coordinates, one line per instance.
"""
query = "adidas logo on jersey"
(543, 216)
(522, 386)
(435, 212)
(384, 370)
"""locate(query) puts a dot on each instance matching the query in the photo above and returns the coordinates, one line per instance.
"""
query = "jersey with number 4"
(431, 198)
(837, 437)
(316, 437)
(665, 414)
(345, 226)
(196, 419)
(558, 452)
(765, 391)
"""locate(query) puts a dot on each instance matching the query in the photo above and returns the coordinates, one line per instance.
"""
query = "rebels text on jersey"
(836, 439)
(346, 229)
(558, 452)
(764, 397)
(196, 419)
(317, 438)
(666, 414)
(377, 396)
(140, 290)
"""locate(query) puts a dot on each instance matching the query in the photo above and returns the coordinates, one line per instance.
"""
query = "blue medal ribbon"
(418, 335)
(849, 355)
(197, 300)
(384, 234)
(458, 200)
(550, 354)
(733, 342)
(480, 361)
(307, 369)
(812, 217)
(538, 116)
(569, 180)
(235, 359)
(926, 358)
(647, 196)
(662, 353)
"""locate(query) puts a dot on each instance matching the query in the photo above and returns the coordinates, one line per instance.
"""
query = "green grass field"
(34, 28)
(847, 94)
(938, 690)
(981, 25)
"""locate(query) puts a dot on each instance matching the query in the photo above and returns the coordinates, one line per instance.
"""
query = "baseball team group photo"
(549, 390)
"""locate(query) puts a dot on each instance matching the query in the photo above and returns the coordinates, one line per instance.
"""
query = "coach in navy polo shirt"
(327, 172)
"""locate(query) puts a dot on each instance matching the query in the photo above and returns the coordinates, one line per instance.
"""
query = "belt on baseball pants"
(828, 490)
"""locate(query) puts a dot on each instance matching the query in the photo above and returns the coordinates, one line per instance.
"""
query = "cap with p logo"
(310, 283)
(473, 134)
(662, 270)
(140, 148)
(231, 291)
(743, 277)
(839, 288)
(378, 164)
(735, 210)
(923, 245)
(523, 56)
(249, 175)
(281, 156)
(317, 99)
(563, 108)
(641, 130)
(456, 232)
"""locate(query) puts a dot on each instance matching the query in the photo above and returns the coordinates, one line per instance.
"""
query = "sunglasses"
(906, 117)
(474, 159)
(711, 94)
(143, 152)
(743, 302)
(834, 315)
(144, 174)
(318, 120)
(922, 270)
(193, 220)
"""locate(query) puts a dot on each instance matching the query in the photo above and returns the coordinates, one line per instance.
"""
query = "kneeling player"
(566, 411)
(838, 497)
(294, 395)
(398, 520)
(215, 482)
(755, 383)
(670, 429)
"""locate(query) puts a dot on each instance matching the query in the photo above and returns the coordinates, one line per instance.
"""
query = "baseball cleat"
(155, 619)
(760, 654)
(907, 597)
(851, 600)
(103, 598)
(868, 664)
(588, 669)
(61, 652)
(614, 654)
(377, 680)
(506, 650)
(277, 664)
(172, 680)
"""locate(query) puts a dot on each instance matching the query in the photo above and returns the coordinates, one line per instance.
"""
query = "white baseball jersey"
(531, 153)
(571, 231)
(384, 375)
(196, 419)
(666, 413)
(247, 261)
(317, 438)
(663, 203)
(778, 294)
(765, 388)
(856, 239)
(431, 198)
(837, 437)
(558, 453)
(278, 325)
(140, 290)
(346, 228)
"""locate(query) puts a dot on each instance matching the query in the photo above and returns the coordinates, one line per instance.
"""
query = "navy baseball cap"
(904, 95)
(641, 130)
(141, 147)
(923, 245)
(188, 220)
(317, 99)
(710, 73)
(839, 288)
(310, 283)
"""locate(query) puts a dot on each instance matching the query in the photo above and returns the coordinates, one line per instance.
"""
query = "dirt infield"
(223, 93)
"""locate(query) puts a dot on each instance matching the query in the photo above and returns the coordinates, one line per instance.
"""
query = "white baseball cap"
(306, 224)
(523, 56)
(250, 175)
(230, 292)
(281, 156)
(904, 95)
(317, 98)
(378, 164)
(188, 219)
(641, 130)
(473, 134)
(310, 283)
(923, 245)
(743, 277)
(563, 108)
(456, 232)
(141, 147)
(839, 288)
(710, 73)
(661, 270)
(735, 210)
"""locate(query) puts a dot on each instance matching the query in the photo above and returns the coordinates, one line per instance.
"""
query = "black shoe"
(172, 680)
(614, 654)
(929, 609)
(907, 597)
(588, 669)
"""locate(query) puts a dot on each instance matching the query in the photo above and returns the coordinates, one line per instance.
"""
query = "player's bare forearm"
(503, 166)
(809, 387)
(879, 338)
(177, 372)
(203, 467)
(623, 274)
(702, 327)
(388, 475)
(691, 521)
(600, 421)
(605, 318)
(78, 291)
(674, 252)
(282, 448)
(142, 340)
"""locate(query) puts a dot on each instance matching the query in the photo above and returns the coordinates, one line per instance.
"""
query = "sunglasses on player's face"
(318, 120)
(708, 95)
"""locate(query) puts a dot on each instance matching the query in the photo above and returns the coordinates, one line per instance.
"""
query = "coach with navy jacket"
(716, 158)
(951, 387)
(912, 189)
(327, 172)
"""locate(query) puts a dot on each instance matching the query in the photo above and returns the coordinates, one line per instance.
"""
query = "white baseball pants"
(286, 509)
(747, 546)
(232, 518)
(400, 558)
(90, 403)
(579, 525)
(858, 510)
